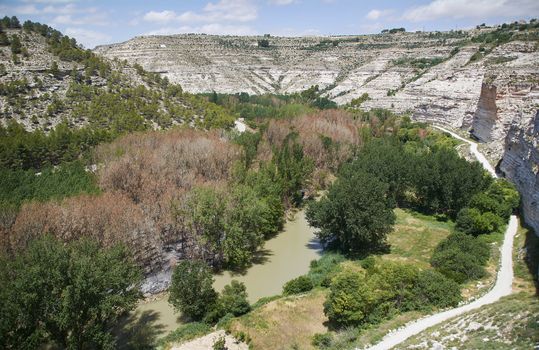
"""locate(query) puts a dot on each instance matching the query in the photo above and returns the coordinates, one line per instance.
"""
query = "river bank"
(284, 257)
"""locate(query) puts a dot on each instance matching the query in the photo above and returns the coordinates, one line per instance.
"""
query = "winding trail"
(502, 287)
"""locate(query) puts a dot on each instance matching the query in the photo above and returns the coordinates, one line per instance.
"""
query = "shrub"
(219, 344)
(263, 43)
(393, 283)
(233, 299)
(321, 271)
(461, 257)
(472, 221)
(350, 299)
(298, 285)
(322, 340)
(434, 289)
(191, 290)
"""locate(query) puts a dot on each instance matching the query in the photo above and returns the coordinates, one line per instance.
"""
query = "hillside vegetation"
(429, 264)
(114, 182)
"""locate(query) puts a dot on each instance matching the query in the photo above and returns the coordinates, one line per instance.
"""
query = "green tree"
(4, 40)
(191, 291)
(233, 299)
(356, 214)
(350, 299)
(14, 23)
(16, 46)
(298, 285)
(434, 289)
(68, 295)
(461, 257)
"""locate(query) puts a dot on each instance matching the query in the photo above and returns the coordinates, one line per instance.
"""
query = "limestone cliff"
(447, 78)
(520, 163)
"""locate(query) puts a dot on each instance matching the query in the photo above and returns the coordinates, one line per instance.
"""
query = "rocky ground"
(206, 342)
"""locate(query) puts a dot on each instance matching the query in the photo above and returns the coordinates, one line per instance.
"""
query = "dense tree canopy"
(355, 215)
(68, 295)
(384, 288)
(191, 291)
(461, 257)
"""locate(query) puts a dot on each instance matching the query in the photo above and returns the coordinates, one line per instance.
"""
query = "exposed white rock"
(496, 97)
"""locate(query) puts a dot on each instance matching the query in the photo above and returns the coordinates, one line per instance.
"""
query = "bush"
(365, 298)
(191, 291)
(263, 43)
(471, 221)
(461, 257)
(350, 299)
(434, 289)
(321, 271)
(233, 299)
(298, 285)
(322, 340)
(219, 344)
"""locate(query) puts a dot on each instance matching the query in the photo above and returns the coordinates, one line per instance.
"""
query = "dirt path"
(206, 342)
(502, 287)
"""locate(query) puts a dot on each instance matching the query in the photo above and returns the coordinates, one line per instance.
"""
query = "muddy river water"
(283, 258)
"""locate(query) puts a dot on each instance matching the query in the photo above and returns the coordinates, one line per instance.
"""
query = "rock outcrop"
(520, 163)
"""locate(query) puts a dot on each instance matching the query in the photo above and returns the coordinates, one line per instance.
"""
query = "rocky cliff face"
(437, 77)
(424, 73)
(486, 114)
(507, 120)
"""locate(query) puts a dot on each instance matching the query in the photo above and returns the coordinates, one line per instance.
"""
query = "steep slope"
(484, 80)
(47, 79)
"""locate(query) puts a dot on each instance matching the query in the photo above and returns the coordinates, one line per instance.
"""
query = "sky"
(102, 22)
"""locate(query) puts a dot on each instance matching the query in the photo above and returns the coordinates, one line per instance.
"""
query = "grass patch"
(185, 333)
(284, 322)
(415, 236)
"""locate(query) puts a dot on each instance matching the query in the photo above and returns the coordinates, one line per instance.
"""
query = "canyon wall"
(443, 78)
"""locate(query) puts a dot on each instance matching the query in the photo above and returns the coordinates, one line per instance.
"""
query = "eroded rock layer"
(444, 78)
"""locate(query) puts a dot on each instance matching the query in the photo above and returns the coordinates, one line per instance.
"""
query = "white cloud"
(95, 19)
(88, 38)
(221, 11)
(282, 2)
(160, 17)
(26, 10)
(374, 14)
(458, 9)
(68, 9)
